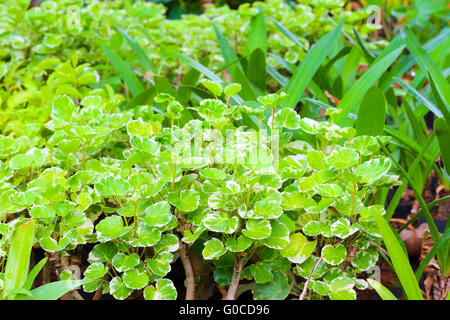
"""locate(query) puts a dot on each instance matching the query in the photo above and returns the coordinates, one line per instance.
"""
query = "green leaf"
(112, 186)
(256, 69)
(33, 274)
(313, 228)
(42, 212)
(214, 87)
(118, 289)
(110, 228)
(267, 209)
(212, 110)
(232, 89)
(299, 248)
(366, 145)
(96, 270)
(334, 255)
(371, 171)
(63, 108)
(168, 242)
(364, 260)
(341, 228)
(158, 214)
(165, 290)
(214, 249)
(240, 244)
(371, 113)
(316, 160)
(51, 245)
(124, 262)
(135, 280)
(343, 158)
(187, 201)
(288, 34)
(221, 222)
(213, 173)
(277, 289)
(279, 237)
(147, 237)
(257, 229)
(329, 190)
(257, 35)
(160, 265)
(341, 288)
(103, 252)
(285, 118)
(304, 269)
(262, 272)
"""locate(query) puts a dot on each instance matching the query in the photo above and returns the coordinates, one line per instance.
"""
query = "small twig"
(305, 288)
(379, 247)
(234, 285)
(190, 280)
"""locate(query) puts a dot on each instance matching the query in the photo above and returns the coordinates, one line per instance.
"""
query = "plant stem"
(190, 281)
(234, 285)
(305, 288)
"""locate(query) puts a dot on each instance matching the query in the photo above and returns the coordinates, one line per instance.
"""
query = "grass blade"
(55, 290)
(371, 113)
(125, 71)
(353, 97)
(433, 229)
(370, 57)
(18, 263)
(288, 34)
(442, 130)
(140, 53)
(382, 291)
(407, 61)
(443, 243)
(256, 70)
(399, 260)
(420, 97)
(425, 63)
(257, 35)
(308, 67)
(33, 274)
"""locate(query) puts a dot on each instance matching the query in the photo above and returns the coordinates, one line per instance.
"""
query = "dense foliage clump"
(258, 144)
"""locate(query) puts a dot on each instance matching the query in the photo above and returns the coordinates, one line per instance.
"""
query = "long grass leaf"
(33, 274)
(399, 260)
(425, 63)
(353, 97)
(140, 53)
(18, 262)
(124, 71)
(371, 113)
(55, 290)
(308, 67)
(257, 34)
(433, 229)
(382, 291)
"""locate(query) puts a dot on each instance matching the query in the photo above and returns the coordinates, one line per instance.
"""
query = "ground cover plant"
(267, 157)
